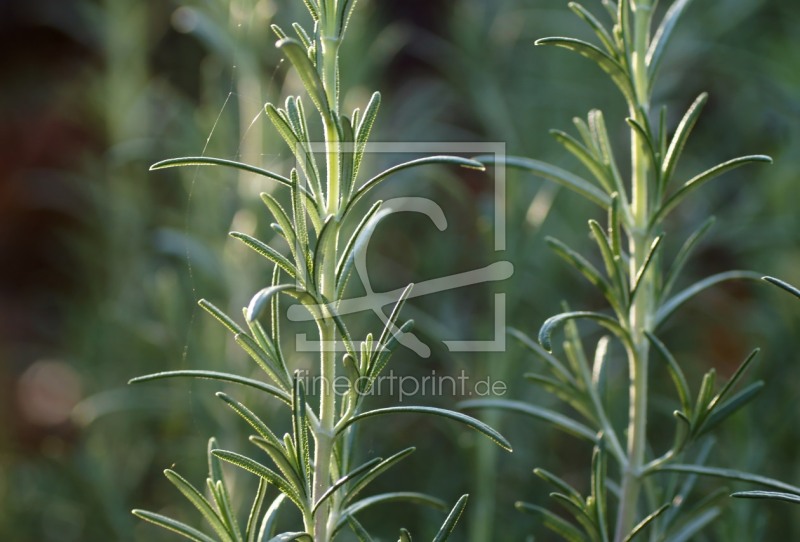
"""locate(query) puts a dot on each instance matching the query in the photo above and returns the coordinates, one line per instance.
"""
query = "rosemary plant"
(316, 466)
(640, 291)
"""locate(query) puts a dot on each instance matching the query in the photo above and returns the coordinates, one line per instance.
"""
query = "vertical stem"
(324, 437)
(642, 308)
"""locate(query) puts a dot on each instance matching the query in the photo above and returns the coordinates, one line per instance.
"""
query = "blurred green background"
(102, 262)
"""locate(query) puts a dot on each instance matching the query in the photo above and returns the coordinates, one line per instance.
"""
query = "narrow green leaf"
(209, 161)
(690, 528)
(404, 496)
(699, 180)
(251, 531)
(731, 474)
(347, 259)
(607, 63)
(264, 361)
(174, 526)
(784, 285)
(552, 173)
(270, 517)
(604, 320)
(405, 536)
(683, 255)
(585, 268)
(292, 537)
(223, 377)
(303, 36)
(376, 471)
(729, 407)
(661, 37)
(267, 251)
(704, 397)
(555, 365)
(681, 136)
(355, 473)
(599, 488)
(299, 215)
(200, 503)
(452, 518)
(300, 429)
(363, 130)
(596, 26)
(672, 304)
(771, 495)
(373, 182)
(648, 260)
(599, 133)
(347, 160)
(562, 422)
(285, 458)
(359, 530)
(252, 420)
(644, 134)
(610, 261)
(223, 500)
(562, 528)
(675, 372)
(582, 153)
(477, 425)
(735, 378)
(258, 469)
(223, 318)
(286, 230)
(296, 54)
(642, 525)
(554, 480)
(260, 301)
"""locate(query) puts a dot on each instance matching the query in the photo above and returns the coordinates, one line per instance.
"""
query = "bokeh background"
(102, 262)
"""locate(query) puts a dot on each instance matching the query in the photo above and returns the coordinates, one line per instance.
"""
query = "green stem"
(641, 311)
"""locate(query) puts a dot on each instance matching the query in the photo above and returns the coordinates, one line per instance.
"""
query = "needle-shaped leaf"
(285, 458)
(267, 528)
(771, 495)
(607, 63)
(402, 496)
(355, 473)
(452, 518)
(661, 37)
(605, 38)
(223, 377)
(582, 153)
(267, 251)
(258, 469)
(298, 56)
(374, 472)
(562, 422)
(210, 161)
(359, 530)
(292, 537)
(223, 500)
(200, 503)
(679, 139)
(731, 474)
(252, 420)
(428, 160)
(585, 268)
(300, 429)
(363, 130)
(568, 531)
(260, 301)
(560, 484)
(251, 531)
(477, 425)
(672, 304)
(648, 260)
(172, 525)
(286, 230)
(223, 318)
(405, 536)
(552, 173)
(263, 359)
(649, 144)
(347, 158)
(611, 262)
(701, 179)
(359, 236)
(729, 407)
(555, 365)
(604, 320)
(683, 255)
(675, 372)
(642, 525)
(784, 285)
